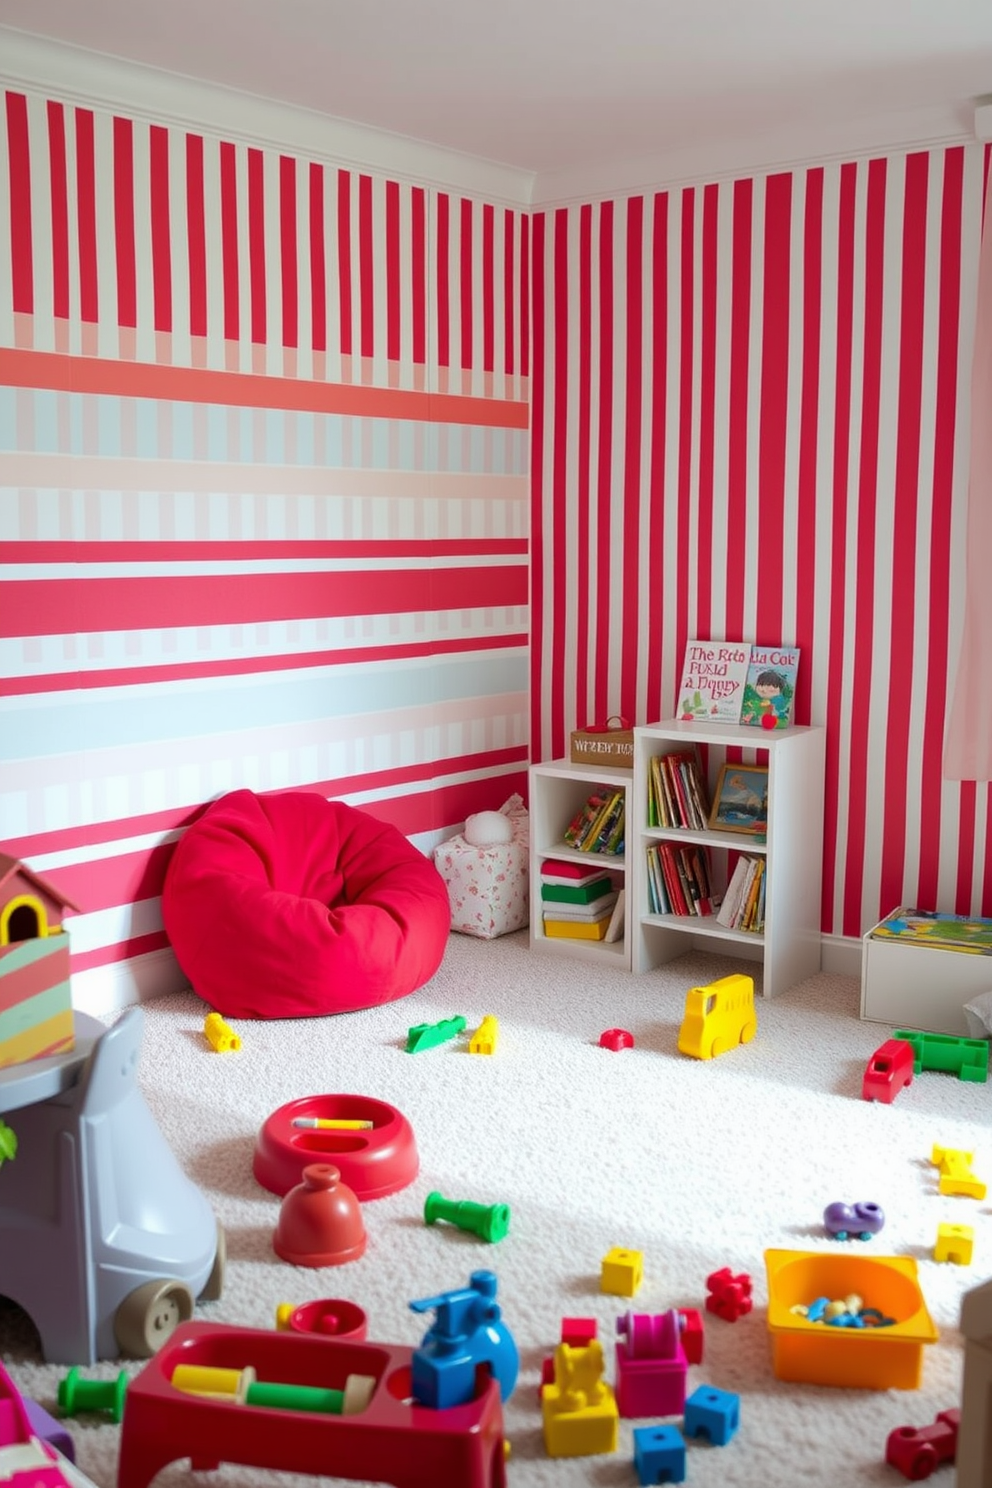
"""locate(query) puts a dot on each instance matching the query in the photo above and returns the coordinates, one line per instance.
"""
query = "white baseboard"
(840, 955)
(109, 989)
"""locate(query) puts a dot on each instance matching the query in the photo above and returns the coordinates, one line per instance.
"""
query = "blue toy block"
(717, 1413)
(659, 1454)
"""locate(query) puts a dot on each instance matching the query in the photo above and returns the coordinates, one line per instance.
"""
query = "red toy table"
(391, 1441)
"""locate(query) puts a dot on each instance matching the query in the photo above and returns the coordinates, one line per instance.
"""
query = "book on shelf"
(678, 878)
(677, 796)
(770, 688)
(712, 680)
(577, 929)
(585, 893)
(743, 902)
(614, 930)
(930, 927)
(598, 826)
(600, 909)
(563, 871)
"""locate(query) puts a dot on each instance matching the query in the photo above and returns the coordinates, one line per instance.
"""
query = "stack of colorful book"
(578, 902)
(598, 826)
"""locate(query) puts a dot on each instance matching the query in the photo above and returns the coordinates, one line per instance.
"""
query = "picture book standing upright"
(770, 689)
(711, 683)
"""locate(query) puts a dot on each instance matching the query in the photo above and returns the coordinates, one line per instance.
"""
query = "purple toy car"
(853, 1221)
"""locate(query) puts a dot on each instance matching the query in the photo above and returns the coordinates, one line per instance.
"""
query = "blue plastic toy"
(715, 1413)
(659, 1454)
(467, 1332)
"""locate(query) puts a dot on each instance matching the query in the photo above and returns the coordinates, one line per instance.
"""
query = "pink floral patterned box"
(489, 886)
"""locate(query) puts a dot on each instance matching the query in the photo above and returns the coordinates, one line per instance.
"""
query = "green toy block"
(965, 1057)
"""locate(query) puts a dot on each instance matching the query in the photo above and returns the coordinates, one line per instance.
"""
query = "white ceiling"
(568, 89)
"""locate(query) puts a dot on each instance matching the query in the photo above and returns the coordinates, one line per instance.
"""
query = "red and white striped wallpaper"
(750, 421)
(316, 478)
(263, 505)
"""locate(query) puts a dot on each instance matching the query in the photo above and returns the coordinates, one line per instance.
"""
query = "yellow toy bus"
(718, 1017)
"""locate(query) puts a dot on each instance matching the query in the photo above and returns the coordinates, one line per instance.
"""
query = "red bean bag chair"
(290, 906)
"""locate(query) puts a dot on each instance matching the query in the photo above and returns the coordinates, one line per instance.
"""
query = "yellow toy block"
(622, 1272)
(483, 1040)
(718, 1017)
(579, 1409)
(956, 1176)
(955, 1242)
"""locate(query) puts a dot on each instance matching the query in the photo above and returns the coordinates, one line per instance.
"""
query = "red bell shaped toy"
(320, 1221)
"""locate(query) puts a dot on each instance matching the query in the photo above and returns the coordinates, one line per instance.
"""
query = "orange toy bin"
(879, 1358)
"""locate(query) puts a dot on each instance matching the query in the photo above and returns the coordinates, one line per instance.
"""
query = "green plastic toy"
(489, 1221)
(429, 1035)
(79, 1394)
(8, 1143)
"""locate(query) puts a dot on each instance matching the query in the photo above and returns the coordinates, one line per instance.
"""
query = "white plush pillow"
(979, 1014)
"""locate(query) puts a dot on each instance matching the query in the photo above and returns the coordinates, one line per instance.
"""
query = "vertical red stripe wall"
(750, 421)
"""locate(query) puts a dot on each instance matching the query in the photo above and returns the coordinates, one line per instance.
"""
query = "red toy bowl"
(373, 1162)
(333, 1317)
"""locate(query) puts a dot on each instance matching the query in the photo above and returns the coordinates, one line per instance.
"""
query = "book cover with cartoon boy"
(711, 686)
(770, 689)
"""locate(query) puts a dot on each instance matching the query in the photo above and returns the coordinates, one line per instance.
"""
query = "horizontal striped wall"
(750, 421)
(264, 503)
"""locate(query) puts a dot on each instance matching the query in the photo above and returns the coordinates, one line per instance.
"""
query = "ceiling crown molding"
(794, 148)
(93, 79)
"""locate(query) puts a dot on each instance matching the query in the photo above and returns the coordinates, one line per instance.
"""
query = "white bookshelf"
(558, 789)
(789, 947)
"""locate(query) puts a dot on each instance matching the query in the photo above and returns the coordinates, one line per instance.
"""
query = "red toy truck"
(888, 1070)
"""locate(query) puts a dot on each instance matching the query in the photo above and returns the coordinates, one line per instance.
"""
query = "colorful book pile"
(932, 927)
(679, 880)
(599, 825)
(676, 793)
(743, 906)
(577, 902)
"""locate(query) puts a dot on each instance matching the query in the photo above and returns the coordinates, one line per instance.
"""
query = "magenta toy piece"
(650, 1365)
(650, 1335)
(616, 1039)
(393, 1440)
(373, 1162)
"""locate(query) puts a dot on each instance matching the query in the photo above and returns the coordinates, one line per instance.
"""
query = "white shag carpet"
(697, 1164)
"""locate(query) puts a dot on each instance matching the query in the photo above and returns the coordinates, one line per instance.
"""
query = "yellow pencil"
(324, 1123)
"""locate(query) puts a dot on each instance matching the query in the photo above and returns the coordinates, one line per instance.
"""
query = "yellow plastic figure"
(483, 1040)
(580, 1409)
(956, 1176)
(219, 1036)
(718, 1017)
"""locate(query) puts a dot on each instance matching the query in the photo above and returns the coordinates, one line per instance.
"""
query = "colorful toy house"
(35, 1001)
